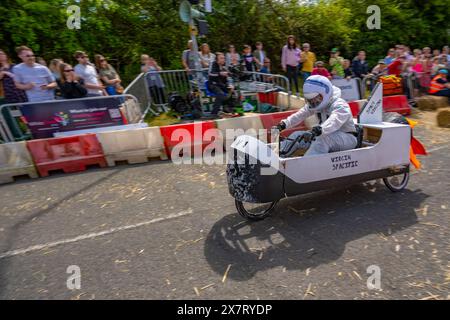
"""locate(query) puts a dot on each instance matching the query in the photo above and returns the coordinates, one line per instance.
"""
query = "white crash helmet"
(314, 86)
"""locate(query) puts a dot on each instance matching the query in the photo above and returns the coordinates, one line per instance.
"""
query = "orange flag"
(416, 147)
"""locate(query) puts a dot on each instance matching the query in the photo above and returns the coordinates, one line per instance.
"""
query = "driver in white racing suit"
(336, 130)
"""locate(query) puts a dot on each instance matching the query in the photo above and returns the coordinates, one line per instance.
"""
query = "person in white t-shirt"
(86, 71)
(36, 80)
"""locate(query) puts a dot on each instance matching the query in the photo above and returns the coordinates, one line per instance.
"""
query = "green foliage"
(124, 29)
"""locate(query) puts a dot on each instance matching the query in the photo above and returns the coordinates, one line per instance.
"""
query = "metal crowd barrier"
(271, 81)
(153, 88)
(10, 130)
(139, 89)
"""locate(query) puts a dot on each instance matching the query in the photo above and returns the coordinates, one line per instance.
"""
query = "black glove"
(317, 131)
(308, 136)
(281, 126)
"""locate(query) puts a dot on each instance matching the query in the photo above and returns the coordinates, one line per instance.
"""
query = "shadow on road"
(308, 230)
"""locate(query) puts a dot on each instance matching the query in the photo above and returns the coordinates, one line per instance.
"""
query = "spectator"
(390, 56)
(399, 50)
(337, 70)
(439, 85)
(408, 56)
(232, 57)
(416, 68)
(260, 56)
(360, 67)
(248, 60)
(11, 93)
(427, 64)
(108, 75)
(308, 60)
(154, 81)
(189, 57)
(86, 71)
(446, 51)
(35, 79)
(320, 70)
(398, 66)
(436, 53)
(206, 57)
(290, 60)
(218, 83)
(41, 61)
(380, 69)
(427, 52)
(266, 67)
(415, 65)
(54, 67)
(436, 66)
(69, 85)
(348, 74)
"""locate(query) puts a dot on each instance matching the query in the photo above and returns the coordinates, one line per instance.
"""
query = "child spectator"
(232, 57)
(248, 60)
(380, 69)
(266, 66)
(260, 56)
(308, 60)
(348, 74)
(337, 70)
(390, 57)
(320, 70)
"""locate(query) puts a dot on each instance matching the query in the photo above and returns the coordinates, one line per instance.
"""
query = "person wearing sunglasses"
(36, 80)
(87, 72)
(336, 130)
(108, 75)
(69, 84)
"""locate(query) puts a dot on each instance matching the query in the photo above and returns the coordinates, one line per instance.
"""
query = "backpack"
(194, 105)
(177, 103)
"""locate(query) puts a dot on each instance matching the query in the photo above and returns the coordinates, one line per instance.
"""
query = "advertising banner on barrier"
(350, 88)
(44, 119)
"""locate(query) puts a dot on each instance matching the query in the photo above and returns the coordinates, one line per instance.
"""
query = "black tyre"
(397, 183)
(255, 212)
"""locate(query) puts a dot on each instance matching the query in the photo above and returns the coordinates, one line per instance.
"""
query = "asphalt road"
(159, 231)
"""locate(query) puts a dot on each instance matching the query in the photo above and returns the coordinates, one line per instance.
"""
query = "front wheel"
(397, 183)
(255, 212)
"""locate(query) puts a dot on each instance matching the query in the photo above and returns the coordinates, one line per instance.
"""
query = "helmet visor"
(315, 101)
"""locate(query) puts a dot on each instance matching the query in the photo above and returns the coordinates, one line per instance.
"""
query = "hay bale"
(431, 103)
(443, 118)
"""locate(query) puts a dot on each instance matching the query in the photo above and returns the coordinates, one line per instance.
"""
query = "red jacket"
(395, 68)
(321, 72)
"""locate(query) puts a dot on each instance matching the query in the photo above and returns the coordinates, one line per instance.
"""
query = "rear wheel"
(255, 211)
(397, 183)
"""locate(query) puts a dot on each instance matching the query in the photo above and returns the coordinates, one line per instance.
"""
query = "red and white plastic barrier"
(69, 154)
